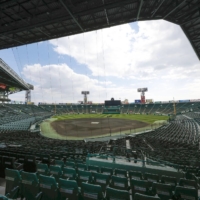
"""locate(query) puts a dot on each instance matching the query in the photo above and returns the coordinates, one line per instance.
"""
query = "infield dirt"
(85, 128)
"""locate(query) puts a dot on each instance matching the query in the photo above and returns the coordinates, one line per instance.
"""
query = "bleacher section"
(112, 110)
(152, 108)
(160, 164)
(55, 169)
(15, 117)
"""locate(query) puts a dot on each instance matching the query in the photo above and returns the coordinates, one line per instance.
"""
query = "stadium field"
(81, 126)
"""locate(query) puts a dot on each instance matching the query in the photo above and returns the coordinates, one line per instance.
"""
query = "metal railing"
(14, 74)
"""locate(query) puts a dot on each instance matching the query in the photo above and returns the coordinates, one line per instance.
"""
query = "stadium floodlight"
(85, 93)
(142, 90)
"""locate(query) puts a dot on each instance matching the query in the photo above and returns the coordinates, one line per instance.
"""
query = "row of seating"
(108, 175)
(34, 186)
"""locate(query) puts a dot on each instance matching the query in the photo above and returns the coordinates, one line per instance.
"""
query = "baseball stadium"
(54, 146)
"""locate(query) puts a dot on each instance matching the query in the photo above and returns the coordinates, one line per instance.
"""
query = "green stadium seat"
(112, 194)
(164, 191)
(151, 178)
(93, 168)
(79, 160)
(188, 183)
(81, 166)
(120, 183)
(84, 176)
(42, 169)
(90, 191)
(30, 186)
(139, 186)
(56, 156)
(46, 159)
(120, 173)
(2, 197)
(69, 173)
(59, 163)
(48, 187)
(70, 160)
(169, 180)
(13, 183)
(101, 179)
(56, 171)
(184, 193)
(70, 164)
(9, 162)
(68, 189)
(21, 158)
(135, 175)
(138, 196)
(106, 170)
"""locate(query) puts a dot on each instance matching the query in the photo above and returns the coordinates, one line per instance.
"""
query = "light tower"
(142, 90)
(28, 96)
(85, 93)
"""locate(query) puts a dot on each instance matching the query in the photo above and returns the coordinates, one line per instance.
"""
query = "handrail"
(160, 162)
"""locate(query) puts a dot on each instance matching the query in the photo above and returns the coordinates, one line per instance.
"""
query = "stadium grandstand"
(84, 151)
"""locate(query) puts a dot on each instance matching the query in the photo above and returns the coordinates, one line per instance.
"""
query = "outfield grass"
(150, 119)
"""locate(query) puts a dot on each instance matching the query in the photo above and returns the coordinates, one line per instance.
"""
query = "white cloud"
(59, 83)
(157, 56)
(158, 47)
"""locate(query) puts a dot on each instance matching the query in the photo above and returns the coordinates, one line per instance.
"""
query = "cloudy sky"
(111, 62)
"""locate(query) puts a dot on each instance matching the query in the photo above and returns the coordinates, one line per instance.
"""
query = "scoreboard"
(112, 102)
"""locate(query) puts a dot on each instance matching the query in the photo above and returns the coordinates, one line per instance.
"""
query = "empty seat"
(59, 163)
(81, 166)
(69, 173)
(93, 168)
(56, 156)
(184, 193)
(121, 172)
(164, 191)
(84, 176)
(90, 191)
(138, 196)
(42, 169)
(169, 180)
(101, 179)
(2, 197)
(151, 178)
(46, 159)
(139, 186)
(30, 186)
(9, 162)
(13, 181)
(70, 164)
(117, 194)
(106, 170)
(56, 171)
(135, 175)
(48, 187)
(68, 189)
(21, 158)
(188, 183)
(119, 183)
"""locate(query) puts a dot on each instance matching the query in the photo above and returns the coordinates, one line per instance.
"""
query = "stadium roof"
(10, 81)
(28, 21)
